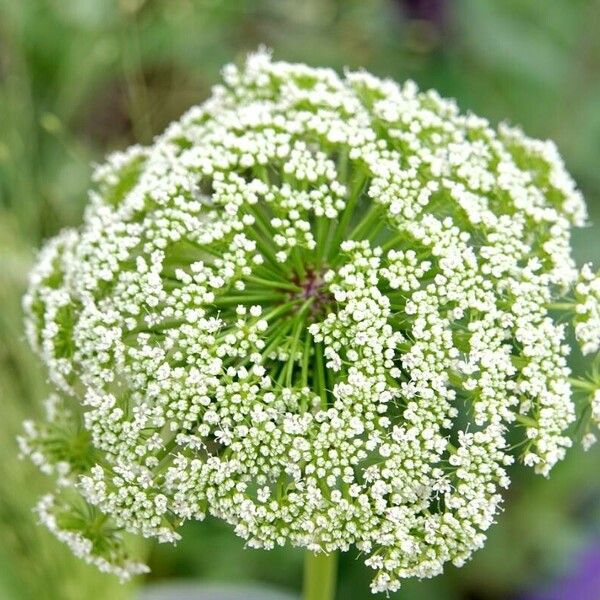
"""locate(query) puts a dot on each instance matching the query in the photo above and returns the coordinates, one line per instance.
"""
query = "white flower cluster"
(315, 308)
(587, 319)
(107, 559)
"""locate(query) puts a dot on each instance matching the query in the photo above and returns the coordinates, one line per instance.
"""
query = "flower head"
(314, 307)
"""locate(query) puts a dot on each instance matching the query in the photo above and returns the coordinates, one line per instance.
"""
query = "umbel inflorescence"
(327, 310)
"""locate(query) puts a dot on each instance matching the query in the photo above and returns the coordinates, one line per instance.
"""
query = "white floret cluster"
(315, 307)
(587, 320)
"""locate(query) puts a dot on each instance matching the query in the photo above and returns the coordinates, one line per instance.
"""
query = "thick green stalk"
(319, 576)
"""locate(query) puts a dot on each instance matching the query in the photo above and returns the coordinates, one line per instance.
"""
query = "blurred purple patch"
(581, 582)
(433, 11)
(427, 24)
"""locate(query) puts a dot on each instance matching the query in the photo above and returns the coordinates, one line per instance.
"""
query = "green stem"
(365, 225)
(245, 299)
(319, 576)
(296, 255)
(562, 306)
(300, 324)
(321, 236)
(375, 230)
(393, 241)
(280, 285)
(320, 375)
(274, 343)
(583, 384)
(527, 421)
(306, 358)
(347, 213)
(282, 308)
(264, 248)
(266, 272)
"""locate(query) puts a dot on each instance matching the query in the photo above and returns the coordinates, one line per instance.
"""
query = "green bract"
(315, 307)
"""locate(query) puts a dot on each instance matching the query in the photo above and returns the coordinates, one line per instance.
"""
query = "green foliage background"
(81, 77)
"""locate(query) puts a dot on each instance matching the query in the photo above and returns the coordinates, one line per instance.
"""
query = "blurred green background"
(81, 77)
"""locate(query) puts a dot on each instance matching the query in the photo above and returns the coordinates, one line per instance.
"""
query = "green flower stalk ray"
(316, 307)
